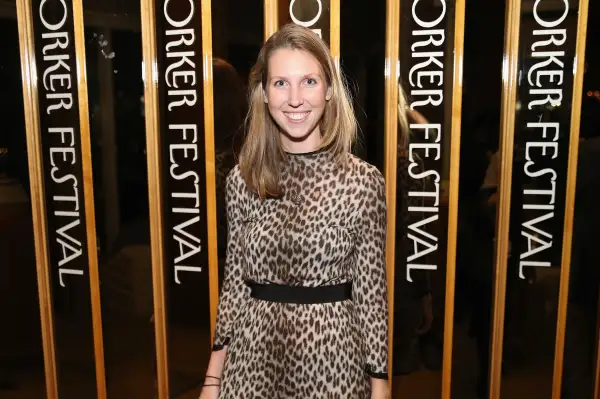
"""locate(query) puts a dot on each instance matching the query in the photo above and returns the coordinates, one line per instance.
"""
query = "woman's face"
(296, 93)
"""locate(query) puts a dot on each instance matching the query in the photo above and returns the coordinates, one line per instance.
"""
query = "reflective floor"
(522, 382)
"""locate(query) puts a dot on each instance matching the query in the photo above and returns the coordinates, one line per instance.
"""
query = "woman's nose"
(296, 98)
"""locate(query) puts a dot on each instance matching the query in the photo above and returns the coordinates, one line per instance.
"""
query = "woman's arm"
(370, 283)
(380, 389)
(234, 292)
(212, 380)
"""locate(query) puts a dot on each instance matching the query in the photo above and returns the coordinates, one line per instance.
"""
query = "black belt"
(300, 295)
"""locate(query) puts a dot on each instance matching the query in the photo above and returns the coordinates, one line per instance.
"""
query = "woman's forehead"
(293, 63)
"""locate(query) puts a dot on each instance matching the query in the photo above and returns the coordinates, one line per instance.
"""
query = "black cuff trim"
(220, 347)
(381, 376)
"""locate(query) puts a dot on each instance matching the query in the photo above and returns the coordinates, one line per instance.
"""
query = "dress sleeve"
(370, 282)
(234, 292)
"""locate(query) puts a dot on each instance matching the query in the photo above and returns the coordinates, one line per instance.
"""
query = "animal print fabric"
(328, 228)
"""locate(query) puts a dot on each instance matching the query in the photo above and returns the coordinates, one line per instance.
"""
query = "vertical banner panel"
(179, 61)
(186, 144)
(66, 208)
(547, 42)
(115, 91)
(21, 345)
(427, 75)
(312, 14)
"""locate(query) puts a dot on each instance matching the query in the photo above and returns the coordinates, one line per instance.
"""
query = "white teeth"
(296, 116)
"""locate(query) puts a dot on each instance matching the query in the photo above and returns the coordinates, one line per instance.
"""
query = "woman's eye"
(311, 81)
(279, 83)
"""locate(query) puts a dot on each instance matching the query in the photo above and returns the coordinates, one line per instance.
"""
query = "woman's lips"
(296, 117)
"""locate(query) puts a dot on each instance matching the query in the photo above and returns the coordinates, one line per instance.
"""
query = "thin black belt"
(300, 295)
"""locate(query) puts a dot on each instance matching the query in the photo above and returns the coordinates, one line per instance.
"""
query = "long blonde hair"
(403, 124)
(262, 154)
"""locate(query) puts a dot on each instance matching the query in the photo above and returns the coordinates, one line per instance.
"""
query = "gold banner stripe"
(457, 88)
(38, 205)
(88, 194)
(209, 139)
(271, 23)
(392, 48)
(565, 268)
(334, 28)
(155, 192)
(509, 95)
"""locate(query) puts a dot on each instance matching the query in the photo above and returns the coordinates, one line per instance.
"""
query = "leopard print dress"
(328, 228)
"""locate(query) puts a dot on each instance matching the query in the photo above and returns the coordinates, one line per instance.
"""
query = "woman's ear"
(264, 93)
(329, 93)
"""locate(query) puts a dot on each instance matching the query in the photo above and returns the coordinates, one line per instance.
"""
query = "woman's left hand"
(380, 389)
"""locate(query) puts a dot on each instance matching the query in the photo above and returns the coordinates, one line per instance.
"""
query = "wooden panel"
(509, 95)
(88, 191)
(392, 40)
(68, 192)
(271, 17)
(455, 132)
(34, 150)
(155, 183)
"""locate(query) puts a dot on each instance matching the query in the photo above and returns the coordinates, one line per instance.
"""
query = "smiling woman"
(297, 99)
(303, 308)
(294, 74)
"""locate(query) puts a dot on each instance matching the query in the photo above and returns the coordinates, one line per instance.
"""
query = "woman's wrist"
(380, 388)
(212, 381)
(380, 382)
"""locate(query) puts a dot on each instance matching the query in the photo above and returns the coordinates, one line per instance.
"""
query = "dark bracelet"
(211, 385)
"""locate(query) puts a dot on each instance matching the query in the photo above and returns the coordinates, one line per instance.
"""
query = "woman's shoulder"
(365, 173)
(234, 178)
(363, 169)
(236, 187)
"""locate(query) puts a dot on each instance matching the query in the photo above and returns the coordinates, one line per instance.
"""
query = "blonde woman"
(303, 308)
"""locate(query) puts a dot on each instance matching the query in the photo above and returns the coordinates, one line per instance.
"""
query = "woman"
(303, 309)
